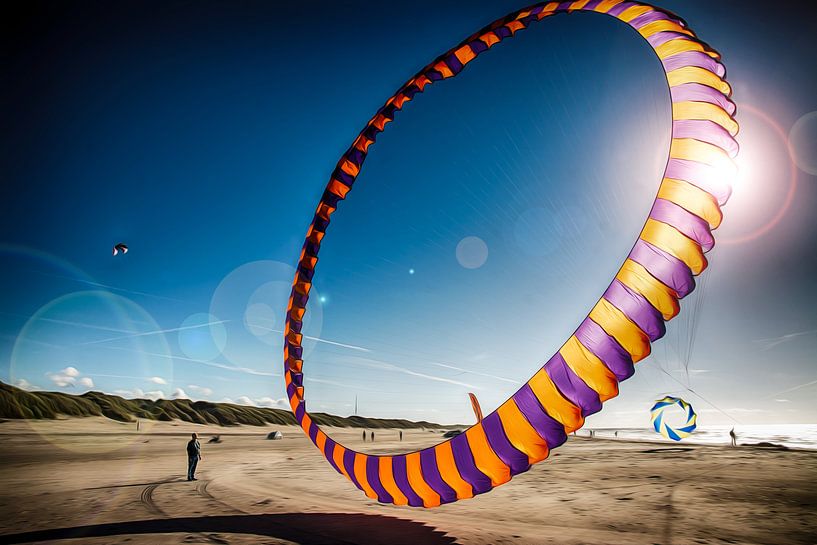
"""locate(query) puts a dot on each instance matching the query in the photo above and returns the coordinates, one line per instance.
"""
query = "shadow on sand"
(304, 528)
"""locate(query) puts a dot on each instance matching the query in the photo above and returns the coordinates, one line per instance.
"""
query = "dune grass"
(20, 404)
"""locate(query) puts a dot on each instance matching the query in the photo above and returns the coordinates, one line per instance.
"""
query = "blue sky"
(488, 218)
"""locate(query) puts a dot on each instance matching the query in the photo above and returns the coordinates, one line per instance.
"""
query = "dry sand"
(100, 482)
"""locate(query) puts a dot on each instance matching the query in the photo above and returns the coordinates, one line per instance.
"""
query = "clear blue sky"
(202, 136)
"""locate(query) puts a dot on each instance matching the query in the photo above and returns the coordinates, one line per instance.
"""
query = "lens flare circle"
(803, 143)
(472, 252)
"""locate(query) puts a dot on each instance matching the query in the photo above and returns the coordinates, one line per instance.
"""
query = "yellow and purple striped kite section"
(657, 416)
(617, 332)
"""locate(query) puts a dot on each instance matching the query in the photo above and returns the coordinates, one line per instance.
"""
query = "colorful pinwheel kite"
(617, 332)
(657, 416)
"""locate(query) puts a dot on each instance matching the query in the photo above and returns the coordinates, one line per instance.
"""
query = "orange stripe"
(589, 368)
(635, 276)
(320, 442)
(349, 168)
(489, 38)
(450, 473)
(360, 474)
(514, 26)
(337, 456)
(618, 326)
(443, 69)
(386, 473)
(556, 405)
(465, 54)
(693, 199)
(418, 483)
(520, 433)
(485, 458)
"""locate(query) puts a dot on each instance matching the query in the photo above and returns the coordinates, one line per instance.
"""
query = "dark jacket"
(193, 449)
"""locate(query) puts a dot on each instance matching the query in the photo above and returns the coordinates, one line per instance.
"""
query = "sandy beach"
(102, 482)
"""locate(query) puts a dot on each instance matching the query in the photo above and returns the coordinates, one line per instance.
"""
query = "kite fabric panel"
(617, 332)
(657, 418)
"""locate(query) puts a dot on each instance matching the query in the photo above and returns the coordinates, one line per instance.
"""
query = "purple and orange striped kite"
(617, 332)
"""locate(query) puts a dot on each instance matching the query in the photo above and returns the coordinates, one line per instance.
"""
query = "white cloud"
(226, 400)
(86, 381)
(23, 384)
(782, 400)
(178, 393)
(66, 377)
(274, 403)
(202, 390)
(138, 393)
(157, 380)
(244, 400)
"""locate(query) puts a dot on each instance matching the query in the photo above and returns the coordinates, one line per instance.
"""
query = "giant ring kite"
(617, 332)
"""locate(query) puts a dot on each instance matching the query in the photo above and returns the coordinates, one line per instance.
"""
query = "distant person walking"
(734, 437)
(193, 457)
(615, 433)
(364, 436)
(372, 437)
(401, 435)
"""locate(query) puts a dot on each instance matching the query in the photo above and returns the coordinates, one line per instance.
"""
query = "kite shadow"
(303, 528)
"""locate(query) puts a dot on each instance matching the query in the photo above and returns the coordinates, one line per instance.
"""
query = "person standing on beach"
(734, 437)
(401, 435)
(372, 437)
(193, 457)
(364, 436)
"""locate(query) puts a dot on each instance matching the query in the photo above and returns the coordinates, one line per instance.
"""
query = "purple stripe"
(618, 9)
(297, 378)
(373, 477)
(650, 17)
(470, 473)
(564, 6)
(290, 390)
(698, 92)
(591, 5)
(705, 131)
(693, 58)
(687, 223)
(329, 449)
(571, 386)
(593, 337)
(669, 270)
(548, 429)
(516, 460)
(431, 474)
(398, 466)
(349, 465)
(313, 432)
(702, 175)
(660, 38)
(637, 309)
(300, 412)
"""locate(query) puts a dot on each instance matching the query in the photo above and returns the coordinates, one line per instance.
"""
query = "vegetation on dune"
(17, 403)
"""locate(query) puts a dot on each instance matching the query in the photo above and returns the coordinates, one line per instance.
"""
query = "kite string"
(700, 396)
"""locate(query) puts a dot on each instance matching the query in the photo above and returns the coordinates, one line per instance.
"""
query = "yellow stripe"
(520, 433)
(672, 241)
(693, 199)
(450, 473)
(607, 5)
(636, 277)
(704, 110)
(578, 4)
(618, 326)
(631, 13)
(589, 368)
(485, 458)
(696, 74)
(702, 152)
(678, 45)
(555, 404)
(414, 472)
(663, 25)
(360, 474)
(386, 473)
